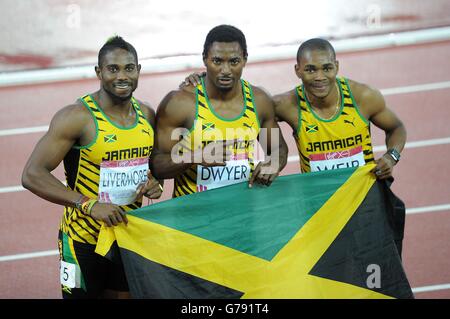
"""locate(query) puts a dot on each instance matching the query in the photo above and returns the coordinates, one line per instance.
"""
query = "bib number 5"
(70, 275)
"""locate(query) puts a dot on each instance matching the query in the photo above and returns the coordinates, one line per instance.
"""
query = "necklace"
(336, 109)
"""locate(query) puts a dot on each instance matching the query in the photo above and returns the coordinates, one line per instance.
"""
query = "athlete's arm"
(286, 109)
(373, 107)
(276, 151)
(66, 127)
(193, 79)
(175, 112)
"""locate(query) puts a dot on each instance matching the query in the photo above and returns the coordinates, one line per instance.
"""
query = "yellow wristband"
(86, 207)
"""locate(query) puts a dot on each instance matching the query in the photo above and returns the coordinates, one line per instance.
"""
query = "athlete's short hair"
(116, 42)
(225, 33)
(315, 44)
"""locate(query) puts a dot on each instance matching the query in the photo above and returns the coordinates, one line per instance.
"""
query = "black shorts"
(97, 273)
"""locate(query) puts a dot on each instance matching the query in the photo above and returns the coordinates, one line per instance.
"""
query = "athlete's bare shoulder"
(264, 103)
(262, 96)
(178, 107)
(179, 99)
(286, 107)
(259, 91)
(73, 112)
(369, 99)
(71, 120)
(286, 99)
(362, 91)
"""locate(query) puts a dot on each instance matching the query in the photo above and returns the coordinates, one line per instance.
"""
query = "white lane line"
(55, 252)
(294, 158)
(409, 211)
(11, 189)
(416, 210)
(24, 130)
(262, 54)
(422, 143)
(389, 91)
(416, 88)
(19, 188)
(428, 209)
(44, 253)
(415, 144)
(431, 288)
(382, 148)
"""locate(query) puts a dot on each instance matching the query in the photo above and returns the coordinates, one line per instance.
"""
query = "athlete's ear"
(297, 70)
(337, 66)
(139, 68)
(98, 72)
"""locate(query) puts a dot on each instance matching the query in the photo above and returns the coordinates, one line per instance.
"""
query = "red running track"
(30, 224)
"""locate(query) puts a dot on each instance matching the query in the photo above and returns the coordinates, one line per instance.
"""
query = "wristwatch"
(80, 201)
(394, 154)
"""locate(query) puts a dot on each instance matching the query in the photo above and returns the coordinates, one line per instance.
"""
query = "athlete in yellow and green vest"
(105, 140)
(331, 116)
(222, 113)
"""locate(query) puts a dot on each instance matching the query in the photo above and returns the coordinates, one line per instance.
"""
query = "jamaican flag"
(333, 234)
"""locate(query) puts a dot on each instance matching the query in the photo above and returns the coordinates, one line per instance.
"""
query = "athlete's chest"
(347, 123)
(227, 110)
(117, 144)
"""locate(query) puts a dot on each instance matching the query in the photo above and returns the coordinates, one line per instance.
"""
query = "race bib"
(70, 275)
(234, 172)
(336, 160)
(120, 179)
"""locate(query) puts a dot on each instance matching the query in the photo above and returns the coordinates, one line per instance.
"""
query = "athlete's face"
(224, 64)
(317, 69)
(119, 74)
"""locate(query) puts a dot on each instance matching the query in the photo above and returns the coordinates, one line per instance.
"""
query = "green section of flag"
(265, 232)
(307, 236)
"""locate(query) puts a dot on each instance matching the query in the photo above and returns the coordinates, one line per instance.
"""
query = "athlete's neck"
(327, 102)
(113, 104)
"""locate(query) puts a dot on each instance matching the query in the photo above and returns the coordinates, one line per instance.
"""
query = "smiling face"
(317, 69)
(119, 74)
(224, 64)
